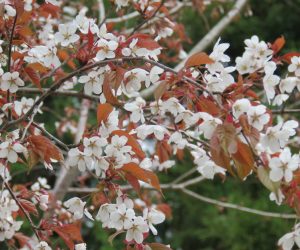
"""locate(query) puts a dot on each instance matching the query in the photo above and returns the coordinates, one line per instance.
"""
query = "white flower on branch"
(80, 246)
(288, 240)
(66, 34)
(257, 116)
(136, 109)
(122, 218)
(153, 217)
(107, 49)
(93, 82)
(11, 81)
(43, 245)
(94, 145)
(10, 150)
(46, 55)
(282, 167)
(133, 80)
(277, 137)
(240, 107)
(137, 230)
(76, 206)
(294, 67)
(82, 160)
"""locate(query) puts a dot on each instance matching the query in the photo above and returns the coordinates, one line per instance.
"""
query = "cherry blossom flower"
(288, 240)
(123, 217)
(153, 217)
(93, 146)
(294, 67)
(189, 118)
(76, 206)
(104, 213)
(277, 137)
(10, 150)
(270, 80)
(101, 165)
(178, 139)
(257, 116)
(137, 230)
(92, 82)
(173, 106)
(43, 245)
(66, 34)
(8, 225)
(277, 197)
(282, 167)
(121, 3)
(80, 246)
(240, 107)
(133, 80)
(11, 81)
(46, 55)
(107, 49)
(81, 159)
(288, 84)
(209, 124)
(136, 109)
(111, 124)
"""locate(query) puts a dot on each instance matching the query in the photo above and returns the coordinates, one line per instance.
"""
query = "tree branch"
(58, 83)
(238, 207)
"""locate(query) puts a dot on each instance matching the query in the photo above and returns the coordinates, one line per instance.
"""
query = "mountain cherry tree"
(132, 116)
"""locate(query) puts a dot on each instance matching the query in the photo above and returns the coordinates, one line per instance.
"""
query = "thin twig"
(8, 97)
(148, 19)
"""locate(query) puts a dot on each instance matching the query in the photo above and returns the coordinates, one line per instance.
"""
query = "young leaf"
(142, 174)
(45, 149)
(69, 233)
(33, 75)
(198, 59)
(103, 112)
(107, 89)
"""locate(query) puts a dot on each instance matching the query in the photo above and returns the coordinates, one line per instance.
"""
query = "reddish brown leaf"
(38, 67)
(22, 239)
(64, 56)
(34, 76)
(206, 105)
(134, 182)
(69, 233)
(29, 207)
(142, 174)
(278, 44)
(243, 160)
(198, 59)
(44, 148)
(107, 89)
(103, 112)
(131, 142)
(288, 56)
(163, 151)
